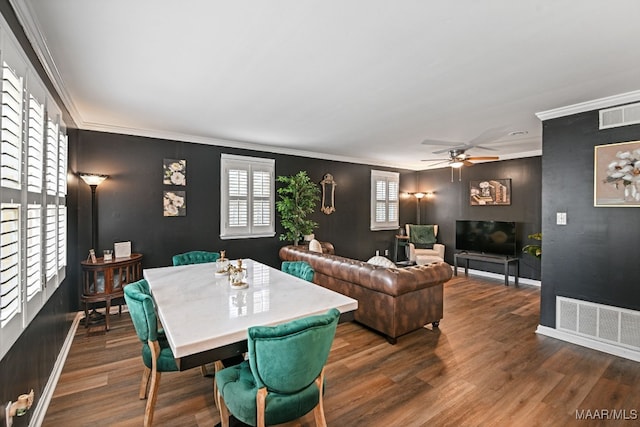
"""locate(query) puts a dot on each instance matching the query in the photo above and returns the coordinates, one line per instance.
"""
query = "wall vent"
(611, 325)
(620, 116)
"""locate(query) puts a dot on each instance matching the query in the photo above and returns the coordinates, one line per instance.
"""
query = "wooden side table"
(104, 281)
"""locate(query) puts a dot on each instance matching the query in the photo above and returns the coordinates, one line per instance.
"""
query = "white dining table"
(205, 319)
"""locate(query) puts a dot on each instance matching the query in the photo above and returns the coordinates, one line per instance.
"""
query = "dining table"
(206, 319)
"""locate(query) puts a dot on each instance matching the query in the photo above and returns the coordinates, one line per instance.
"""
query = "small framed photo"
(122, 249)
(490, 192)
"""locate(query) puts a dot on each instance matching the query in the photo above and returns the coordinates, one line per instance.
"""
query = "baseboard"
(500, 276)
(43, 402)
(589, 343)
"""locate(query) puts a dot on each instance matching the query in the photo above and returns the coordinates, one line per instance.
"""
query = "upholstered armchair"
(301, 269)
(422, 248)
(195, 257)
(284, 377)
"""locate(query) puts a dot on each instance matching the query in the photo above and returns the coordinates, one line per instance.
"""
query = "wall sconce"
(19, 408)
(93, 180)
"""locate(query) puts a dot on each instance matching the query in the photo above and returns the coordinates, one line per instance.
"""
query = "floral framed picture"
(617, 175)
(174, 172)
(490, 192)
(175, 203)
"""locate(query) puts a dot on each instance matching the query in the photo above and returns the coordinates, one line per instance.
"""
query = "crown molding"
(596, 104)
(34, 34)
(176, 136)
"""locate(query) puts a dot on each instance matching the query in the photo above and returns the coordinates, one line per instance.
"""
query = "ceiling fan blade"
(482, 147)
(467, 162)
(437, 161)
(440, 142)
(483, 158)
(489, 135)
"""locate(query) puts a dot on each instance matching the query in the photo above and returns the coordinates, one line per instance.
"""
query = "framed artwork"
(616, 175)
(491, 192)
(175, 203)
(174, 172)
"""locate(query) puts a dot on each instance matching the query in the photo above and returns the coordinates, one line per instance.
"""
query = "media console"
(505, 260)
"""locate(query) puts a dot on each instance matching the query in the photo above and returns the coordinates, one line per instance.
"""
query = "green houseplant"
(535, 250)
(298, 198)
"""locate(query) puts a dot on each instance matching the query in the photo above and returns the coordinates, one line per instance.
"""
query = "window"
(33, 174)
(384, 200)
(247, 197)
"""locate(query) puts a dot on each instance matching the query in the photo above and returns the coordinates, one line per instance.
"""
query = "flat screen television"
(486, 237)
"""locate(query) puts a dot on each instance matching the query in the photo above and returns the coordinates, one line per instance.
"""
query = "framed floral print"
(617, 175)
(175, 203)
(174, 172)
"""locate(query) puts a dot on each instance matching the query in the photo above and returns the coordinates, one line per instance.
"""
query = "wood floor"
(484, 366)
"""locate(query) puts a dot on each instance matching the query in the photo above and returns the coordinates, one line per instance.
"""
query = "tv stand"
(505, 260)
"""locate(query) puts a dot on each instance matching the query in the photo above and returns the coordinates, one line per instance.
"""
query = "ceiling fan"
(458, 158)
(457, 151)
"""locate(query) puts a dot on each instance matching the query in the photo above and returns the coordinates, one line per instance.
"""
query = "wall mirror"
(328, 193)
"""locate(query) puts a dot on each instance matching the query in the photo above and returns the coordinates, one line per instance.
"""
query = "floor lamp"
(93, 180)
(418, 196)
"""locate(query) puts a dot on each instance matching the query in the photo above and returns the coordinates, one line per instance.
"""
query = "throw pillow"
(381, 261)
(422, 236)
(315, 246)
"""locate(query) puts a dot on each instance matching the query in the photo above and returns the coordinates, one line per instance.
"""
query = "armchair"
(195, 257)
(419, 250)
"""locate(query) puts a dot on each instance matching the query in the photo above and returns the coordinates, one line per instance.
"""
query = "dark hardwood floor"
(484, 366)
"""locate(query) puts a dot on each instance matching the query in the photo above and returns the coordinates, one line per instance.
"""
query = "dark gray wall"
(130, 200)
(451, 202)
(595, 256)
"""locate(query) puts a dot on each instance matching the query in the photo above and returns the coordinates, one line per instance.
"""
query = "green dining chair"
(156, 354)
(195, 257)
(301, 269)
(284, 377)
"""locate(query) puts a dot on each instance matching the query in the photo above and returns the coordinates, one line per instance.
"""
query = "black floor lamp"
(93, 180)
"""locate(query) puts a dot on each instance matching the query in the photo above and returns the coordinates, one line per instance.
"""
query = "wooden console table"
(103, 281)
(506, 261)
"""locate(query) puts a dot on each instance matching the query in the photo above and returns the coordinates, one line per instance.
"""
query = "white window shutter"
(11, 130)
(384, 200)
(34, 251)
(10, 302)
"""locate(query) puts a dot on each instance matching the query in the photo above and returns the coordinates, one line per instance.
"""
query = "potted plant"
(535, 250)
(298, 198)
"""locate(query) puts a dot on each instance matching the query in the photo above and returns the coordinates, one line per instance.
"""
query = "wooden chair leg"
(224, 411)
(218, 366)
(318, 411)
(144, 384)
(261, 398)
(151, 401)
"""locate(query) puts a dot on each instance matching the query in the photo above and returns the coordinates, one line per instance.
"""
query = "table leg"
(517, 271)
(506, 273)
(455, 265)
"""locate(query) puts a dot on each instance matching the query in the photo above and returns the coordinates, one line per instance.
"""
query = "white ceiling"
(357, 80)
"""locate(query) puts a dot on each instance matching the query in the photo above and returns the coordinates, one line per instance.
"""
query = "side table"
(104, 281)
(401, 241)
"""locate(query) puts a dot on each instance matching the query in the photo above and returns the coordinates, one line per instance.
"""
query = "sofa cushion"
(422, 236)
(381, 261)
(315, 246)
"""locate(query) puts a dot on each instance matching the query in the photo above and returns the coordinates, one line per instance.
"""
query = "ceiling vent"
(620, 116)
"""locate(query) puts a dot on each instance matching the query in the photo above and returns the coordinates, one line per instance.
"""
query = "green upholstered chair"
(195, 257)
(284, 377)
(156, 354)
(301, 269)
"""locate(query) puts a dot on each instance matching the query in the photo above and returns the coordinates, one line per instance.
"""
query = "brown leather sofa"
(393, 301)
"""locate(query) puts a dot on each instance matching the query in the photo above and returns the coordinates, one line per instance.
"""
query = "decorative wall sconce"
(20, 407)
(93, 180)
(328, 194)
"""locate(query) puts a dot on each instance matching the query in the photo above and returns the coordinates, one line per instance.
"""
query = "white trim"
(589, 343)
(596, 104)
(500, 276)
(47, 393)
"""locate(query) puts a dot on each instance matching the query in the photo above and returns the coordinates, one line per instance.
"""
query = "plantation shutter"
(384, 200)
(35, 143)
(50, 243)
(247, 197)
(52, 158)
(9, 259)
(34, 243)
(11, 130)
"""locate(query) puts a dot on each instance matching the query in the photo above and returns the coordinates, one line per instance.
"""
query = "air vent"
(608, 324)
(620, 116)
